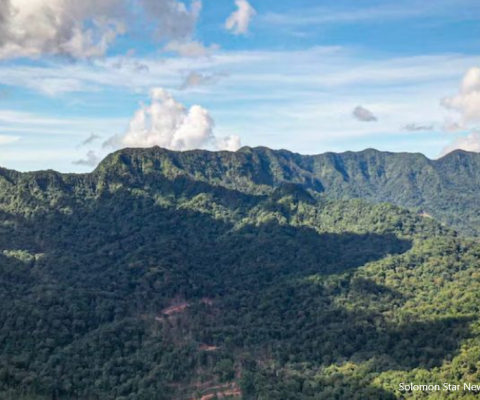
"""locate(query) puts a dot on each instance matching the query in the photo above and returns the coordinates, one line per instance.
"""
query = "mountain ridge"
(243, 149)
(446, 188)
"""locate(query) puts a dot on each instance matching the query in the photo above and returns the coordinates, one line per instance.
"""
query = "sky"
(82, 78)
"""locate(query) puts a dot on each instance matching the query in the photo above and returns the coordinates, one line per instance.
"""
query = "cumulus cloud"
(228, 143)
(31, 28)
(239, 21)
(467, 143)
(169, 124)
(85, 29)
(90, 160)
(195, 79)
(467, 102)
(362, 114)
(417, 127)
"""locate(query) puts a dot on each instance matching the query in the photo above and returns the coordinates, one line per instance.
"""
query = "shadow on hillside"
(255, 256)
(114, 244)
(300, 322)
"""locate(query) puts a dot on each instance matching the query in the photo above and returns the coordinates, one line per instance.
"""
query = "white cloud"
(229, 143)
(239, 22)
(169, 124)
(467, 102)
(468, 143)
(31, 28)
(91, 160)
(191, 48)
(85, 29)
(362, 114)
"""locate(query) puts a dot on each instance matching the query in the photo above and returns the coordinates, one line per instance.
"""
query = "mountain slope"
(152, 278)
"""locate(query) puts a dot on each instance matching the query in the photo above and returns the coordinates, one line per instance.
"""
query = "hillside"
(174, 276)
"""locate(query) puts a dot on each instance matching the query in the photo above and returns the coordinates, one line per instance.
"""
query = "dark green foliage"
(153, 278)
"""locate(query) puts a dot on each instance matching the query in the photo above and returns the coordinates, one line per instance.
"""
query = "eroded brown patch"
(206, 347)
(225, 391)
(176, 309)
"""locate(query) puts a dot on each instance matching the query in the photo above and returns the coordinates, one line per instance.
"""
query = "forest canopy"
(156, 279)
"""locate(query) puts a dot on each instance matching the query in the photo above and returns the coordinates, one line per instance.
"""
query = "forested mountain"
(446, 189)
(178, 276)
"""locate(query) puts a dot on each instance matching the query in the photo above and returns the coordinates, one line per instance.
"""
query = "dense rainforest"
(259, 275)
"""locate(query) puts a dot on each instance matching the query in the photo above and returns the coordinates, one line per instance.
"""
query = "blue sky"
(308, 76)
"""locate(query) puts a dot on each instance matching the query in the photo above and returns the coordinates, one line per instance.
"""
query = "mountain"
(178, 276)
(446, 189)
